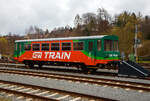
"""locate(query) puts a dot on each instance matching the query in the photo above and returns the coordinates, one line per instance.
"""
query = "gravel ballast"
(86, 75)
(97, 90)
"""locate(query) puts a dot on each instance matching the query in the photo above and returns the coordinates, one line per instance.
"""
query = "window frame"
(111, 45)
(39, 46)
(20, 47)
(78, 42)
(100, 45)
(90, 49)
(45, 46)
(65, 46)
(16, 46)
(27, 44)
(114, 45)
(53, 46)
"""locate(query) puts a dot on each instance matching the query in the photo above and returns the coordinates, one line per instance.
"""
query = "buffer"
(129, 68)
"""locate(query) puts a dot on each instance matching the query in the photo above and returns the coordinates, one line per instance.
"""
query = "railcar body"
(86, 51)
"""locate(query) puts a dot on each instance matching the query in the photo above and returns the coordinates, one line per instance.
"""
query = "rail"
(28, 91)
(83, 79)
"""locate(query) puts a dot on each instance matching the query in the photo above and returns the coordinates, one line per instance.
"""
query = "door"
(16, 52)
(99, 48)
(19, 50)
(91, 49)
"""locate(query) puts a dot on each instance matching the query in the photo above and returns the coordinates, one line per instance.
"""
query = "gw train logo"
(51, 55)
(37, 55)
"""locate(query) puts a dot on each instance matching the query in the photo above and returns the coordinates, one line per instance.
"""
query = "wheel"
(101, 66)
(94, 69)
(31, 65)
(85, 69)
(116, 66)
(40, 65)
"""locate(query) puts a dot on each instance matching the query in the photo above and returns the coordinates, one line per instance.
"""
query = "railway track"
(58, 69)
(98, 73)
(140, 87)
(101, 72)
(26, 92)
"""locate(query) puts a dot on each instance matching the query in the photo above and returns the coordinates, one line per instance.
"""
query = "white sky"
(18, 15)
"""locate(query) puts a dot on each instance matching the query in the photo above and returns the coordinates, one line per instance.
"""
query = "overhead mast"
(135, 42)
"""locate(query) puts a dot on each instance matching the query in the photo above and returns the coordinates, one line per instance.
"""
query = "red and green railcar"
(86, 51)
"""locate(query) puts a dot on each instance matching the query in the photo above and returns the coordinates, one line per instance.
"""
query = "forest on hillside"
(88, 24)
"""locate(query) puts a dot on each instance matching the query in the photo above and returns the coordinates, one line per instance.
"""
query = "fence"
(143, 59)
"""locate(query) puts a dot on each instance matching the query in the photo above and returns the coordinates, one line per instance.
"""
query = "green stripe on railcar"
(100, 54)
(19, 48)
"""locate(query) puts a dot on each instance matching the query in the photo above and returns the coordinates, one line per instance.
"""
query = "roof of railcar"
(65, 38)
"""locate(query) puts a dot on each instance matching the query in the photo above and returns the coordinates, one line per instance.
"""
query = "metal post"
(135, 43)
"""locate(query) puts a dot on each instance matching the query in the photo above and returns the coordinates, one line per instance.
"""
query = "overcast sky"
(18, 15)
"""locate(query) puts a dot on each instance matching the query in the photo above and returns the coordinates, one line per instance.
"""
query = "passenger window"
(78, 46)
(98, 45)
(55, 46)
(116, 45)
(90, 46)
(108, 45)
(27, 47)
(36, 47)
(20, 47)
(16, 46)
(45, 47)
(66, 46)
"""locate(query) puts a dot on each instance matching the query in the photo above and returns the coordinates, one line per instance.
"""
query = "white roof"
(65, 38)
